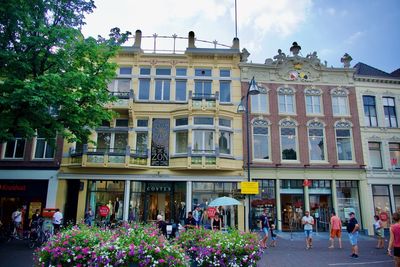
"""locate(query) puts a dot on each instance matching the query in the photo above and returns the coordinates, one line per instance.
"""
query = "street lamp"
(244, 107)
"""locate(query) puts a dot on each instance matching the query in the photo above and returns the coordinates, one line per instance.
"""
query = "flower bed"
(215, 248)
(136, 245)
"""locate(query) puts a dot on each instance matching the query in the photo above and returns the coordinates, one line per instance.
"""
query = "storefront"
(264, 200)
(348, 200)
(28, 195)
(142, 201)
(292, 204)
(321, 203)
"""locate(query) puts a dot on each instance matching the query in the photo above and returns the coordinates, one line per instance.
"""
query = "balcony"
(108, 157)
(203, 101)
(123, 99)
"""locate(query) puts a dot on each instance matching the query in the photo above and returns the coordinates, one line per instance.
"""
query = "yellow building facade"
(175, 142)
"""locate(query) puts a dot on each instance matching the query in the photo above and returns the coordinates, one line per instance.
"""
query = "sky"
(368, 30)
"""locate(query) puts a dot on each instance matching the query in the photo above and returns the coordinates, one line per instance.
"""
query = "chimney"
(235, 43)
(138, 39)
(191, 40)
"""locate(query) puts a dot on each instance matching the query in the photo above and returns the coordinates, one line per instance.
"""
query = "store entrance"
(320, 209)
(292, 207)
(163, 198)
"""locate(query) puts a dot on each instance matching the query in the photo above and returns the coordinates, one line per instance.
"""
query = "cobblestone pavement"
(291, 251)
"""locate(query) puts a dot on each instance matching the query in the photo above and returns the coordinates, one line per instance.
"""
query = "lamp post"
(244, 107)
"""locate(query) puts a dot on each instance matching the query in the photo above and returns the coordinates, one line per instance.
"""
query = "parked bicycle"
(38, 235)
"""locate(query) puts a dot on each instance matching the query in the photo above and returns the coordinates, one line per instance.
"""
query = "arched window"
(316, 141)
(344, 140)
(340, 102)
(288, 130)
(286, 100)
(313, 100)
(261, 150)
(259, 103)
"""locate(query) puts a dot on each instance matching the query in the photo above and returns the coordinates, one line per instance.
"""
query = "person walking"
(57, 221)
(197, 215)
(352, 230)
(17, 220)
(308, 221)
(394, 241)
(264, 228)
(379, 232)
(216, 223)
(336, 230)
(89, 217)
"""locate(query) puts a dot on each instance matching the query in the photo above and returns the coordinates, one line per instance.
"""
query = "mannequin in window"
(111, 212)
(182, 212)
(118, 209)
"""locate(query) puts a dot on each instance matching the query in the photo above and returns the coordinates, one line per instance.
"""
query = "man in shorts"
(308, 222)
(352, 229)
(336, 230)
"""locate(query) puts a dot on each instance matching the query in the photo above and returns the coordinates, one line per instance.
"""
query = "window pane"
(375, 155)
(224, 122)
(103, 140)
(224, 73)
(209, 140)
(395, 155)
(49, 151)
(10, 149)
(288, 142)
(316, 144)
(142, 123)
(203, 121)
(225, 91)
(162, 71)
(181, 142)
(180, 72)
(380, 190)
(202, 72)
(343, 145)
(124, 85)
(260, 146)
(40, 146)
(180, 91)
(144, 89)
(141, 142)
(121, 140)
(181, 122)
(125, 70)
(121, 123)
(144, 71)
(162, 90)
(19, 152)
(225, 142)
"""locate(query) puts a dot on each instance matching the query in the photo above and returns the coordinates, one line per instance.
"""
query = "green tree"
(52, 79)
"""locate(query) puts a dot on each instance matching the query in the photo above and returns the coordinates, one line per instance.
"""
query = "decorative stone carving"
(343, 124)
(315, 124)
(339, 92)
(259, 122)
(312, 91)
(280, 56)
(287, 123)
(286, 91)
(244, 55)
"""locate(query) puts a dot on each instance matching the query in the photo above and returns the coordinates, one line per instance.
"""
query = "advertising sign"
(249, 188)
(160, 143)
(104, 210)
(211, 212)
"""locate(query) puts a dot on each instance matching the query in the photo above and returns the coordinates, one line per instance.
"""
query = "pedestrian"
(197, 215)
(36, 217)
(162, 225)
(264, 228)
(216, 223)
(57, 220)
(379, 232)
(336, 230)
(190, 222)
(89, 217)
(17, 220)
(394, 242)
(273, 236)
(352, 229)
(308, 221)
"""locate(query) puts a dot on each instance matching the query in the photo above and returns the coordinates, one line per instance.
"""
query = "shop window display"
(347, 200)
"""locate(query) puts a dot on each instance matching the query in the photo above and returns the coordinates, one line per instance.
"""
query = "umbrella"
(224, 201)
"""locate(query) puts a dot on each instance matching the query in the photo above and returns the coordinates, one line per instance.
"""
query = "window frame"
(366, 106)
(289, 124)
(261, 124)
(391, 110)
(16, 140)
(229, 91)
(165, 92)
(316, 125)
(377, 149)
(344, 125)
(338, 94)
(313, 93)
(286, 93)
(46, 145)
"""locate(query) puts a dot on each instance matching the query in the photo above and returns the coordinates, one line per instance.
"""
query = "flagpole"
(235, 19)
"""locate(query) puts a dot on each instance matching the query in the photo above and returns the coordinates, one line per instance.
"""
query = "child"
(273, 236)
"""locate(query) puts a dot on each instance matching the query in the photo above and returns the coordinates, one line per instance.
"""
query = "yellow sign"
(249, 188)
(33, 206)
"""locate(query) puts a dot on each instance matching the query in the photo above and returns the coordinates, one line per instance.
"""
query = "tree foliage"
(52, 79)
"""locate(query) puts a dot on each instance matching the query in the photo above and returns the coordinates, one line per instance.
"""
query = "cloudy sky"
(366, 29)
